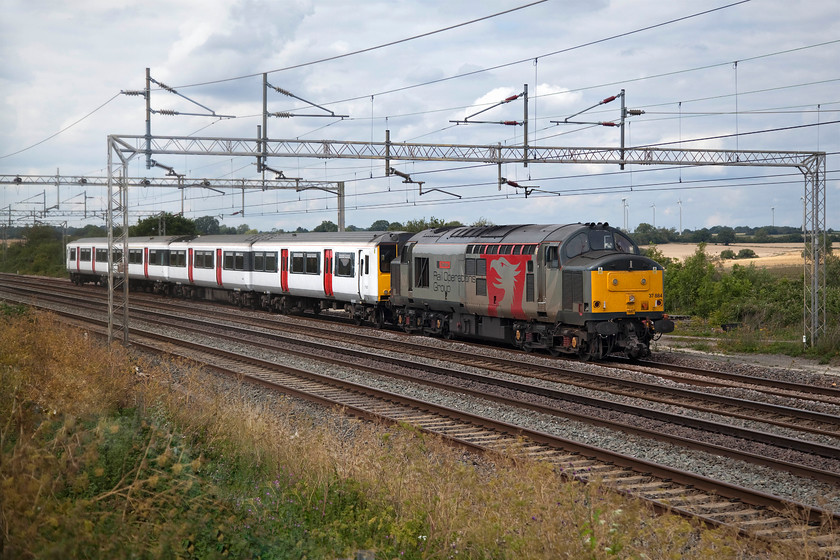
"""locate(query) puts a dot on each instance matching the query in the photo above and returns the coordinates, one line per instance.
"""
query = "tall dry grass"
(105, 455)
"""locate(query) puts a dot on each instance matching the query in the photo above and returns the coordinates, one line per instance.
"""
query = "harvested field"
(769, 255)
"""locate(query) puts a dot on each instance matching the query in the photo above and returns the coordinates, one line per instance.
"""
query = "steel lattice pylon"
(117, 213)
(812, 165)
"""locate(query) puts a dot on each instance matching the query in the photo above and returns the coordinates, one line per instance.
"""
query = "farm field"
(769, 255)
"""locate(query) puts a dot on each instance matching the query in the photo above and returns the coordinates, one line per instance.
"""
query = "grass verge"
(105, 455)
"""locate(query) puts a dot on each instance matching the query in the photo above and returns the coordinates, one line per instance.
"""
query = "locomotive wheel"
(593, 352)
(378, 318)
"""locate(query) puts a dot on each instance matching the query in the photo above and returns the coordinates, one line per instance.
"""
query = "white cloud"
(62, 60)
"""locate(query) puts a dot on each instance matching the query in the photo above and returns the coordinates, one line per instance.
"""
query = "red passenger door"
(190, 264)
(284, 270)
(219, 267)
(328, 271)
(146, 262)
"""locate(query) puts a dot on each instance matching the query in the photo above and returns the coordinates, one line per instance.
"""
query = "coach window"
(345, 265)
(421, 272)
(72, 253)
(203, 259)
(135, 256)
(271, 262)
(178, 259)
(84, 255)
(313, 263)
(259, 262)
(102, 255)
(234, 260)
(297, 263)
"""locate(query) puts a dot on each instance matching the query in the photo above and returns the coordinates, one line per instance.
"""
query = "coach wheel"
(445, 332)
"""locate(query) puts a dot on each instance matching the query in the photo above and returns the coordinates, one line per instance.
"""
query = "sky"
(709, 74)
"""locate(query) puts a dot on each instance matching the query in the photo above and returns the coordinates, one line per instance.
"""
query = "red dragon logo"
(506, 284)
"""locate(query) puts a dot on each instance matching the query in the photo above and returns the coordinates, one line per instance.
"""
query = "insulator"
(607, 123)
(635, 112)
(510, 122)
(169, 112)
(133, 92)
(608, 99)
(511, 98)
(283, 91)
(281, 115)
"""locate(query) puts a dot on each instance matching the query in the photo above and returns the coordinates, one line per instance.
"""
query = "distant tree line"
(646, 234)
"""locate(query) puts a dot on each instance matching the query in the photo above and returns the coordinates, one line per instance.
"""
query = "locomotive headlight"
(615, 281)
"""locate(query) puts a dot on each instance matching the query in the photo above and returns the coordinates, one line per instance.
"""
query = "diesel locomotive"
(580, 289)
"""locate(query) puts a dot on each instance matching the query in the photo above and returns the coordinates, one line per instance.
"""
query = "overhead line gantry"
(811, 164)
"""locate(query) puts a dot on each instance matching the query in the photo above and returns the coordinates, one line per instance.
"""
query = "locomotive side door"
(364, 274)
(548, 278)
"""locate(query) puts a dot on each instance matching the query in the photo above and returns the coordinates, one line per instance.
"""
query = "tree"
(163, 224)
(326, 225)
(725, 235)
(379, 225)
(207, 225)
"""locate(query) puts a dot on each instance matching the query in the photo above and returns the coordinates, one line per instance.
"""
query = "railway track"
(752, 512)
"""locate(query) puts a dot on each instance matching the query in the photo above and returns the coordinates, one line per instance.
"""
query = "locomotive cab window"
(577, 245)
(387, 253)
(552, 256)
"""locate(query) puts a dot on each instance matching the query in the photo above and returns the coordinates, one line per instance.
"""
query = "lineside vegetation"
(108, 455)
